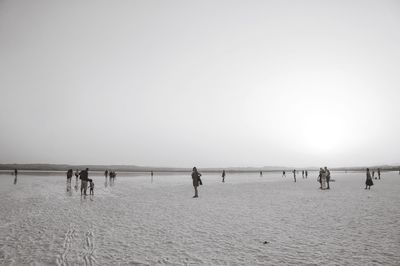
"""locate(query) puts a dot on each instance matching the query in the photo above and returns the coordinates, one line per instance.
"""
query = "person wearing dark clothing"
(306, 174)
(321, 171)
(106, 173)
(196, 181)
(69, 175)
(368, 181)
(260, 173)
(379, 173)
(328, 177)
(15, 176)
(283, 174)
(294, 175)
(84, 176)
(223, 176)
(302, 173)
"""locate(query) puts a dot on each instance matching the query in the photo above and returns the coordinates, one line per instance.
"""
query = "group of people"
(324, 178)
(368, 180)
(85, 180)
(111, 174)
(304, 174)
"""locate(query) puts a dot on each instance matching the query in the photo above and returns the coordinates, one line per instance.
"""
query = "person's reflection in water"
(105, 183)
(15, 180)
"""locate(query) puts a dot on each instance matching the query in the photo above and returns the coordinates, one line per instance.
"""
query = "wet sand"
(135, 222)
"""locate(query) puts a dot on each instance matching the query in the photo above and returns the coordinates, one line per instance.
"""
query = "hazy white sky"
(206, 83)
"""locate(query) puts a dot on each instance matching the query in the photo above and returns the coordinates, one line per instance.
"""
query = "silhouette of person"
(91, 186)
(84, 176)
(151, 173)
(77, 175)
(283, 174)
(368, 181)
(379, 173)
(328, 177)
(69, 175)
(196, 181)
(302, 173)
(15, 176)
(106, 173)
(294, 175)
(306, 174)
(321, 172)
(261, 173)
(223, 176)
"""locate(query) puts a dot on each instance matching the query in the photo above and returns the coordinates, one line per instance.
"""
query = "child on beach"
(91, 186)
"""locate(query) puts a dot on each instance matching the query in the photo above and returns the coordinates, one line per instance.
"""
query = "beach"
(248, 220)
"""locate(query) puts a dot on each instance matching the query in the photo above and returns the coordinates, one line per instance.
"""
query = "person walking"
(196, 181)
(328, 177)
(368, 181)
(223, 176)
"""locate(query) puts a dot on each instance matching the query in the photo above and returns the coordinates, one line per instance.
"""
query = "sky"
(205, 83)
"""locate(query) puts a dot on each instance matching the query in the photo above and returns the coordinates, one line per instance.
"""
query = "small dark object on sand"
(266, 242)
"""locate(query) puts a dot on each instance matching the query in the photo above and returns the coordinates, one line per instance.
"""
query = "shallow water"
(136, 222)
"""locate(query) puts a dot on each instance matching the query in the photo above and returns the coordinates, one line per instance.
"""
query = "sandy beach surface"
(249, 220)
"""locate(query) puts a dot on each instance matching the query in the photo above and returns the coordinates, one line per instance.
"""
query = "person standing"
(302, 174)
(319, 179)
(260, 173)
(196, 181)
(106, 173)
(283, 174)
(379, 173)
(368, 181)
(15, 176)
(306, 174)
(69, 175)
(323, 179)
(77, 175)
(84, 176)
(91, 186)
(328, 177)
(294, 175)
(223, 176)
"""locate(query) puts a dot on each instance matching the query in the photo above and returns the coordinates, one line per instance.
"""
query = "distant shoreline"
(146, 169)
